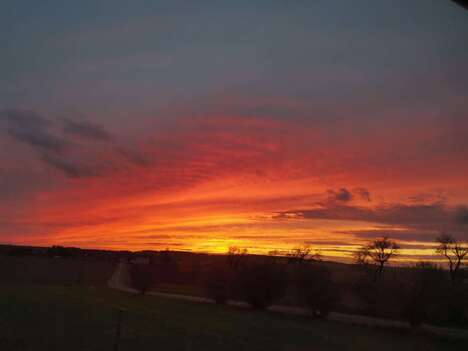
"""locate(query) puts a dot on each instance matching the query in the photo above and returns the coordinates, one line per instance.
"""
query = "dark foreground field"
(80, 318)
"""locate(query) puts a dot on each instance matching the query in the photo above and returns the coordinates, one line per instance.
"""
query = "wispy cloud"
(413, 219)
(72, 147)
(69, 168)
(30, 128)
(85, 130)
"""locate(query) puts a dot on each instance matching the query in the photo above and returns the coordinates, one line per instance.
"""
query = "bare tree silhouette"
(379, 251)
(236, 256)
(301, 254)
(361, 256)
(455, 253)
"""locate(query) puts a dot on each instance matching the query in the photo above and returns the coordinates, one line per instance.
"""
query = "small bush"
(458, 306)
(414, 308)
(382, 298)
(216, 284)
(167, 267)
(141, 277)
(260, 284)
(315, 290)
(421, 293)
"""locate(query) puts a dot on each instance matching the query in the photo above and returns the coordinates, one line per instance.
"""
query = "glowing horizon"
(260, 126)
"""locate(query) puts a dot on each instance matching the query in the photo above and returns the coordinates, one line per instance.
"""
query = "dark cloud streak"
(363, 193)
(70, 169)
(32, 129)
(341, 195)
(39, 139)
(434, 217)
(62, 148)
(86, 130)
(462, 215)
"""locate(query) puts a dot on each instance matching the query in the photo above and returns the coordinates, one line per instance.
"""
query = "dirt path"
(120, 281)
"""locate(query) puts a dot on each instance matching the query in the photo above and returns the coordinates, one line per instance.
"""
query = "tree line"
(421, 293)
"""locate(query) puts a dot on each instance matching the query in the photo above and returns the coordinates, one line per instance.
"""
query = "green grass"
(181, 289)
(54, 271)
(79, 318)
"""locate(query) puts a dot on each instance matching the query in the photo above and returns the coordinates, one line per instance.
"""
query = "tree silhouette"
(455, 253)
(236, 256)
(380, 251)
(302, 254)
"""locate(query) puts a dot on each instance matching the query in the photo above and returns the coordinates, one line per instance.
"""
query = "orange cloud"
(204, 183)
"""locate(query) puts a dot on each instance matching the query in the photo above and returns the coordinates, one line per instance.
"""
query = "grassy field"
(83, 318)
(54, 271)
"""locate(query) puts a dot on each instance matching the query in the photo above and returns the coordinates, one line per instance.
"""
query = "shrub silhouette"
(260, 284)
(422, 293)
(315, 290)
(165, 263)
(429, 296)
(457, 306)
(382, 298)
(141, 277)
(216, 283)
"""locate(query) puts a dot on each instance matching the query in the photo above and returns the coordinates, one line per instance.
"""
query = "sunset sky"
(197, 125)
